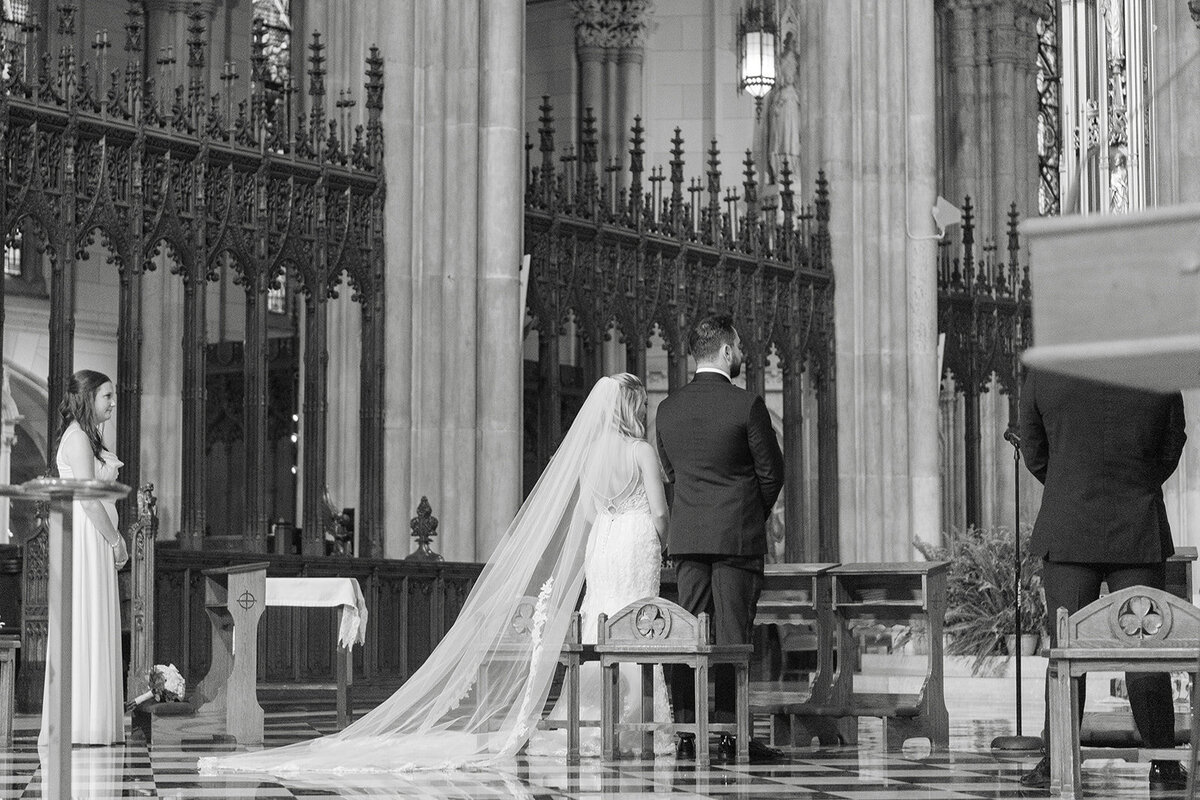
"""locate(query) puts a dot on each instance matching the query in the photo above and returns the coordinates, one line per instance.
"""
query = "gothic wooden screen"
(629, 255)
(984, 311)
(205, 180)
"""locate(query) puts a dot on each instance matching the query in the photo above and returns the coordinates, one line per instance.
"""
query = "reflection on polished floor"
(864, 772)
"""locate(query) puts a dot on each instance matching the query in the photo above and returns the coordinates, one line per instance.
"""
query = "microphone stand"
(1017, 742)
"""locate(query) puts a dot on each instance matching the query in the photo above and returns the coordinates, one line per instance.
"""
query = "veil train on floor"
(444, 716)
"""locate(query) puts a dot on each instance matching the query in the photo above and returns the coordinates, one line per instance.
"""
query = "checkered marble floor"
(864, 772)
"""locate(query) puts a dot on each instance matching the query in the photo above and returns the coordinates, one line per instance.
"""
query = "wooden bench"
(800, 594)
(656, 631)
(1138, 629)
(912, 592)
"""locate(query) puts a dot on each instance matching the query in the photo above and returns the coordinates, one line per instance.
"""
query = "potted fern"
(980, 591)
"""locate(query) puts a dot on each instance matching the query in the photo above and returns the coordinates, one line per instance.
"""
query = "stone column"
(452, 355)
(162, 390)
(592, 36)
(631, 54)
(343, 26)
(629, 77)
(871, 89)
(1175, 51)
(990, 107)
(167, 26)
(163, 295)
(610, 115)
(591, 81)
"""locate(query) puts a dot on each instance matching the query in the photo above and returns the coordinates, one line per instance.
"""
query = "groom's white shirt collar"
(717, 370)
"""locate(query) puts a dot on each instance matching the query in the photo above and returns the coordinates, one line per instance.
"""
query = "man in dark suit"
(718, 449)
(1103, 453)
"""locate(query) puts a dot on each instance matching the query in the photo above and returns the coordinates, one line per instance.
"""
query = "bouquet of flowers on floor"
(166, 685)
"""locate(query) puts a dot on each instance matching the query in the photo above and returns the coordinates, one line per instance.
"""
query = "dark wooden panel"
(410, 606)
(10, 589)
(170, 629)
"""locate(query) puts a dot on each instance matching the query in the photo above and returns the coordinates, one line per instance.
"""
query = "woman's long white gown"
(622, 565)
(97, 697)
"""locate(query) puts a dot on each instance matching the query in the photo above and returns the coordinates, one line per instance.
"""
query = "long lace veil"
(477, 698)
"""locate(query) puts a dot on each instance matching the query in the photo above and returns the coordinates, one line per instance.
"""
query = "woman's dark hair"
(79, 405)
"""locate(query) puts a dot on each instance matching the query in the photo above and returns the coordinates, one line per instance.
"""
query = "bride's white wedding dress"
(622, 565)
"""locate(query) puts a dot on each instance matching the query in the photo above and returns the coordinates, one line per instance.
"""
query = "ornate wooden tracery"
(201, 180)
(984, 310)
(629, 255)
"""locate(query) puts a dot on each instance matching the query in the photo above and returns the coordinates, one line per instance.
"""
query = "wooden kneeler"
(514, 644)
(1137, 629)
(656, 631)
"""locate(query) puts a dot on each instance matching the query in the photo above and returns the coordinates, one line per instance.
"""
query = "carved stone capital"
(589, 23)
(610, 23)
(1194, 10)
(634, 23)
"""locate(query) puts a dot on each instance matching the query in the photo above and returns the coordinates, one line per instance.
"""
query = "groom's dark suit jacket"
(719, 450)
(1103, 453)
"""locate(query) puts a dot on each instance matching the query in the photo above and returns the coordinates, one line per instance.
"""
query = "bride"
(598, 511)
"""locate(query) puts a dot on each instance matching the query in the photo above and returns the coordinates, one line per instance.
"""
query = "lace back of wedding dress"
(478, 696)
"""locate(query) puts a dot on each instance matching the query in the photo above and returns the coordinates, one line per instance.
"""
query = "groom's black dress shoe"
(726, 748)
(759, 752)
(1039, 776)
(1167, 776)
(764, 754)
(685, 748)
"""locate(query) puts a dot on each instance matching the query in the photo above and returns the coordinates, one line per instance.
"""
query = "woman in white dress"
(622, 564)
(98, 550)
(476, 700)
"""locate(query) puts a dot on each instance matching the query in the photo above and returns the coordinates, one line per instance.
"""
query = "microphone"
(1012, 438)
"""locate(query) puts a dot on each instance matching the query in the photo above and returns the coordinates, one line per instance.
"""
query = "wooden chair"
(514, 641)
(1194, 739)
(656, 631)
(1138, 629)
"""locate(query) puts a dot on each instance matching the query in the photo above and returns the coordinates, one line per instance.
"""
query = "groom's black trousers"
(1073, 586)
(727, 587)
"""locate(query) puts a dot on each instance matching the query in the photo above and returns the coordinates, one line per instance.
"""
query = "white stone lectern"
(61, 493)
(1117, 297)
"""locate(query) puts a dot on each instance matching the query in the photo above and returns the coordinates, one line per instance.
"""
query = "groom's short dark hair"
(709, 335)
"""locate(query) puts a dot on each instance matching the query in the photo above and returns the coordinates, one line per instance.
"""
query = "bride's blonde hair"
(630, 413)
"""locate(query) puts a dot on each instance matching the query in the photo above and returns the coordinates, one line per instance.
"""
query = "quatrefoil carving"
(652, 623)
(522, 618)
(1141, 618)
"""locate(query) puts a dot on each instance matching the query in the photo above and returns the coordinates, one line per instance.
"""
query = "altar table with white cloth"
(352, 628)
(323, 593)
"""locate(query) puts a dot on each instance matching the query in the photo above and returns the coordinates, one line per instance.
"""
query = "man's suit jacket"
(719, 450)
(1103, 453)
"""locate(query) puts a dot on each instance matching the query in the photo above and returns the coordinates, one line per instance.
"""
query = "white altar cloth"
(322, 593)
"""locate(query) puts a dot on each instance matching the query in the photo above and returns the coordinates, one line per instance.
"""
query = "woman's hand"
(120, 553)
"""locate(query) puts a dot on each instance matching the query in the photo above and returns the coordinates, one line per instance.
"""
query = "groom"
(719, 451)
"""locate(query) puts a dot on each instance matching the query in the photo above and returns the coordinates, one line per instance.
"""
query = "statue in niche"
(783, 115)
